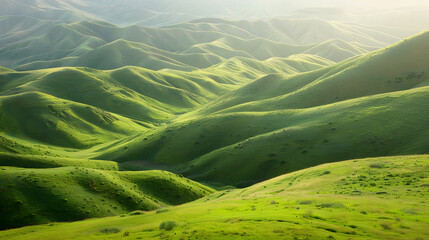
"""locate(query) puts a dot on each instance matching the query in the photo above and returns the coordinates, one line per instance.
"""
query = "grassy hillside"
(81, 107)
(34, 161)
(3, 69)
(399, 67)
(37, 196)
(47, 119)
(307, 119)
(383, 198)
(282, 141)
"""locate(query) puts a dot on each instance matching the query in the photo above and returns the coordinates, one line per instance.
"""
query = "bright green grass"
(266, 144)
(384, 198)
(399, 67)
(61, 122)
(82, 107)
(35, 161)
(371, 106)
(36, 196)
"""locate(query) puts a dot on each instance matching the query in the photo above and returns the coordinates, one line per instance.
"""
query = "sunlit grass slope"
(360, 108)
(399, 67)
(35, 161)
(83, 107)
(266, 144)
(3, 69)
(45, 118)
(382, 198)
(35, 196)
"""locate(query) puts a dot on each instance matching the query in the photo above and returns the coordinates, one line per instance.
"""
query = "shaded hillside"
(383, 198)
(37, 196)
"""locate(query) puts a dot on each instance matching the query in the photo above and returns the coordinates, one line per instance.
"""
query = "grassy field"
(381, 198)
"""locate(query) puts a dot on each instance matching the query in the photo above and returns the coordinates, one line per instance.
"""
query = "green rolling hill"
(382, 198)
(3, 70)
(399, 67)
(47, 119)
(113, 110)
(281, 124)
(37, 196)
(82, 107)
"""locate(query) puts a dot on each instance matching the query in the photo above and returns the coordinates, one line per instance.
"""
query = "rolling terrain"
(29, 43)
(214, 119)
(285, 123)
(82, 107)
(381, 198)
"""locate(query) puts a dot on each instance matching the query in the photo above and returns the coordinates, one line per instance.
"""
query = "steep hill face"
(280, 124)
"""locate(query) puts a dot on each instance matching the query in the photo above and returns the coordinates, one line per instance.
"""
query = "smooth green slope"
(82, 107)
(322, 121)
(399, 67)
(34, 161)
(47, 119)
(36, 196)
(109, 91)
(383, 198)
(212, 148)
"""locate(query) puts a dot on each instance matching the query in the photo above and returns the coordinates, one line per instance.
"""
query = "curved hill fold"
(284, 123)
